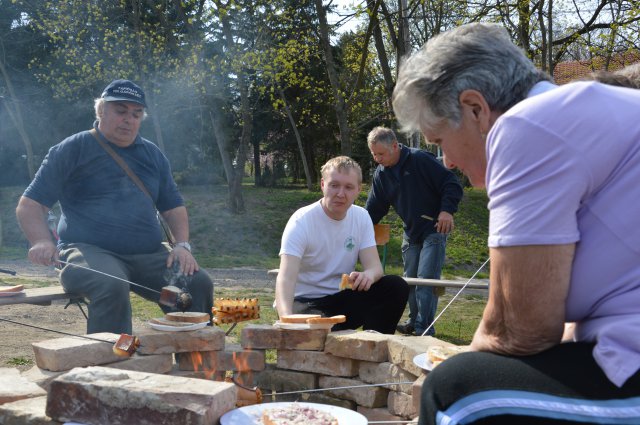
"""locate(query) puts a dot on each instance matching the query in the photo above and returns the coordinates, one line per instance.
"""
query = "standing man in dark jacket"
(425, 195)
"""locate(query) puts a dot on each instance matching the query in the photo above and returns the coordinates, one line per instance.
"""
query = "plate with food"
(290, 412)
(423, 362)
(436, 354)
(177, 327)
(180, 321)
(11, 291)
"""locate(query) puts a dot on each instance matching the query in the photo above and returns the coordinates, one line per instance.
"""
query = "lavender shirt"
(564, 167)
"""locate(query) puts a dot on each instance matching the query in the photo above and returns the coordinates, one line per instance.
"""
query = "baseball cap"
(124, 90)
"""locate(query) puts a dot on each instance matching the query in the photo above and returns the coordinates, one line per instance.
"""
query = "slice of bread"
(438, 353)
(126, 345)
(187, 316)
(345, 283)
(332, 320)
(298, 318)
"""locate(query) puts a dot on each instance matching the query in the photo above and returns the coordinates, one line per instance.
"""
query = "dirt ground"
(15, 340)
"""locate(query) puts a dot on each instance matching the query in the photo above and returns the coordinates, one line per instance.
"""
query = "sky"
(345, 7)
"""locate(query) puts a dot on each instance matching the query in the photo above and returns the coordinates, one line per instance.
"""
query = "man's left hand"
(188, 264)
(444, 223)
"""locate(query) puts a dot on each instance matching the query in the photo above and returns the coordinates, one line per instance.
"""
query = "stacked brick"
(82, 380)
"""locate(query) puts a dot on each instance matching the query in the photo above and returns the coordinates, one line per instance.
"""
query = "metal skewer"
(341, 388)
(52, 330)
(108, 275)
(455, 296)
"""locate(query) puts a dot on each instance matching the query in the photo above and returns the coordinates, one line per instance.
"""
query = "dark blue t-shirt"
(100, 203)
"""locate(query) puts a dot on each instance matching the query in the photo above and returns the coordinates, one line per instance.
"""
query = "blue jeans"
(423, 260)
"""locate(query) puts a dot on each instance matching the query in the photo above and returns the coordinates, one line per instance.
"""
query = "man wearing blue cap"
(108, 221)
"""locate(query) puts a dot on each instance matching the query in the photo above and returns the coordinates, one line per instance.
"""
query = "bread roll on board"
(298, 318)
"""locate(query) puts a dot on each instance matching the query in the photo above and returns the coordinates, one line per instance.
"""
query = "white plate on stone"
(250, 415)
(167, 328)
(302, 326)
(11, 293)
(422, 361)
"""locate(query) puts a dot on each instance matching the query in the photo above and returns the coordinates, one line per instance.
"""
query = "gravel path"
(15, 340)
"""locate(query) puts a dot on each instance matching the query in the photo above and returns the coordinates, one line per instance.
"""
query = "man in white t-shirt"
(325, 240)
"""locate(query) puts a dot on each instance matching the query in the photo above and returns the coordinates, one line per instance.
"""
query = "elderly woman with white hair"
(561, 166)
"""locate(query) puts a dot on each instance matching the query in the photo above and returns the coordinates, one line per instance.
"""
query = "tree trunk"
(339, 103)
(389, 82)
(15, 113)
(157, 127)
(223, 147)
(298, 139)
(550, 42)
(543, 36)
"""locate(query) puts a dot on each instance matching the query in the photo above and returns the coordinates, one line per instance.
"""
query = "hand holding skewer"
(43, 252)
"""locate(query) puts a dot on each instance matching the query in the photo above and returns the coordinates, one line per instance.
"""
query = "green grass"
(19, 361)
(223, 240)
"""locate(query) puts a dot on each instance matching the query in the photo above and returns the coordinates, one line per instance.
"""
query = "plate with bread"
(290, 412)
(11, 291)
(308, 321)
(180, 321)
(436, 354)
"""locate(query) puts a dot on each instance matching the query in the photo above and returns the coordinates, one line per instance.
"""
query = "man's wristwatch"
(185, 245)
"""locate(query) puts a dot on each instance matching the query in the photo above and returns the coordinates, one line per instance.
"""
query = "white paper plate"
(302, 326)
(167, 328)
(422, 361)
(11, 294)
(250, 415)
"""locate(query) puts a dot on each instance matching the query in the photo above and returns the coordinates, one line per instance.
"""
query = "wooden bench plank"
(437, 283)
(39, 296)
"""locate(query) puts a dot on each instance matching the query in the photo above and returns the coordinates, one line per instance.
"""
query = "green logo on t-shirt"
(348, 243)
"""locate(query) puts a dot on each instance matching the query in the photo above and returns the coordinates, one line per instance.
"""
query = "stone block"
(233, 358)
(155, 363)
(310, 340)
(41, 377)
(101, 395)
(367, 346)
(316, 397)
(29, 411)
(209, 375)
(267, 337)
(317, 362)
(379, 414)
(210, 338)
(260, 337)
(377, 373)
(277, 380)
(363, 396)
(68, 352)
(401, 404)
(416, 392)
(15, 387)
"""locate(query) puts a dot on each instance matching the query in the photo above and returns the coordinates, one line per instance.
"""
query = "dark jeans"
(562, 385)
(379, 309)
(109, 304)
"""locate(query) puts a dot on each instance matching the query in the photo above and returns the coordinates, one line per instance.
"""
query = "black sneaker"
(406, 328)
